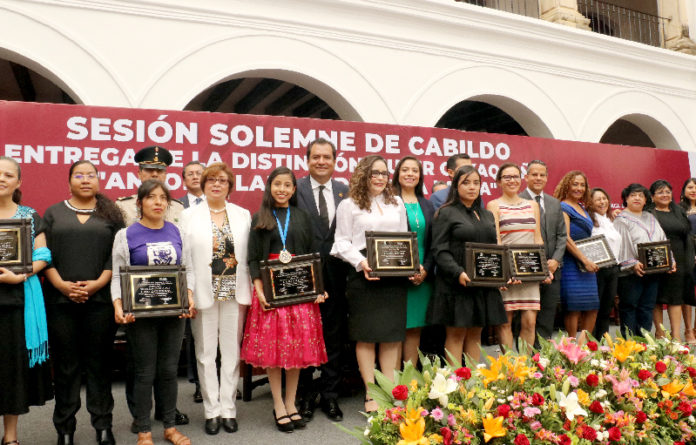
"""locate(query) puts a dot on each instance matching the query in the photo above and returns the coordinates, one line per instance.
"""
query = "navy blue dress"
(578, 289)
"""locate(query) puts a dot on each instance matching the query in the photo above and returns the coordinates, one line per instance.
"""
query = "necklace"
(284, 256)
(79, 211)
(216, 211)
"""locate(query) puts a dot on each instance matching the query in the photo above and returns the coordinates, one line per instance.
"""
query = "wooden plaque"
(392, 254)
(299, 281)
(15, 245)
(527, 262)
(154, 291)
(487, 264)
(597, 250)
(656, 256)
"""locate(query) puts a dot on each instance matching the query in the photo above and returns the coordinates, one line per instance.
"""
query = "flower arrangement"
(617, 391)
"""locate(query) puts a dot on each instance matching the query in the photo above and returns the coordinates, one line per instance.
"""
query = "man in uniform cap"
(152, 164)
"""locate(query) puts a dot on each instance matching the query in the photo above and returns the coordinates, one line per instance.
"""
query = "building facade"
(563, 69)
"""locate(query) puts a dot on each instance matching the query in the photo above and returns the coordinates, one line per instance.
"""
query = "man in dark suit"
(319, 196)
(453, 163)
(192, 173)
(553, 231)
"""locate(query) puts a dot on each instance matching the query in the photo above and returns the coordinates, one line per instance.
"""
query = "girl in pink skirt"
(288, 337)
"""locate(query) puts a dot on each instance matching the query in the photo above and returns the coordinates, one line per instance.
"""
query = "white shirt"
(352, 223)
(606, 228)
(192, 198)
(534, 195)
(328, 195)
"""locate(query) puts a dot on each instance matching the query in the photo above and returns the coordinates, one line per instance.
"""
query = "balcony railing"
(606, 18)
(530, 8)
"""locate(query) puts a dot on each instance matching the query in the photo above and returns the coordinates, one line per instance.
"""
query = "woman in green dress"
(408, 183)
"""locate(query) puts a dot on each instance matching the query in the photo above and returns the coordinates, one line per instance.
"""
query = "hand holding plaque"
(392, 254)
(528, 262)
(297, 281)
(597, 250)
(154, 291)
(486, 264)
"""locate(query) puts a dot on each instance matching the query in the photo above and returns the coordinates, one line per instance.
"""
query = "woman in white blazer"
(217, 233)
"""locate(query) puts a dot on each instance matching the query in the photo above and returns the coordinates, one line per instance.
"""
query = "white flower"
(544, 362)
(594, 362)
(367, 432)
(441, 387)
(480, 365)
(601, 394)
(571, 405)
(692, 419)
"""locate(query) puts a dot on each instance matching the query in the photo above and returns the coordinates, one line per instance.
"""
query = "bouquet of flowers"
(615, 391)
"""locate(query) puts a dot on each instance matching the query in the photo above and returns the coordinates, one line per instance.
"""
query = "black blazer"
(305, 200)
(185, 201)
(428, 211)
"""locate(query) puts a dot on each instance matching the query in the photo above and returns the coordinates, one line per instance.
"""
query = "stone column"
(676, 29)
(564, 12)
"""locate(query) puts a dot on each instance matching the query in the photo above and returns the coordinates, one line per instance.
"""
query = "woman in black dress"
(688, 203)
(25, 375)
(462, 308)
(80, 233)
(677, 288)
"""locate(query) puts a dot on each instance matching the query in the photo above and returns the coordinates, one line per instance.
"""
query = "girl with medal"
(286, 338)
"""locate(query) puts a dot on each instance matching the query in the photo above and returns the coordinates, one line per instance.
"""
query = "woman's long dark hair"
(683, 200)
(17, 194)
(397, 172)
(265, 219)
(105, 208)
(453, 195)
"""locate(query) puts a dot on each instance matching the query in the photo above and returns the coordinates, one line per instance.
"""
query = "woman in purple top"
(154, 342)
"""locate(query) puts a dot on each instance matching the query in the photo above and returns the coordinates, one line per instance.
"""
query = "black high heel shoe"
(368, 400)
(287, 427)
(14, 442)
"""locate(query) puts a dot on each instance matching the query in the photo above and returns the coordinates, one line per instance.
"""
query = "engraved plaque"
(656, 257)
(15, 245)
(392, 254)
(154, 291)
(597, 250)
(299, 281)
(527, 262)
(486, 264)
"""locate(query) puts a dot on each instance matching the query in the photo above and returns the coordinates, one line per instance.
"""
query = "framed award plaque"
(392, 254)
(15, 245)
(298, 281)
(486, 264)
(154, 291)
(527, 262)
(597, 250)
(656, 257)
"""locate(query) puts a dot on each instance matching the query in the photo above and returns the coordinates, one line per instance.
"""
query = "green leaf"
(386, 384)
(358, 433)
(384, 399)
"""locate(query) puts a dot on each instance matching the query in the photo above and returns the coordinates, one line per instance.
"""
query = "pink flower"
(451, 421)
(623, 385)
(535, 425)
(573, 352)
(531, 411)
(573, 381)
(437, 414)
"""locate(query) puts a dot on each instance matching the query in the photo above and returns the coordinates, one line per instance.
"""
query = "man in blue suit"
(319, 195)
(453, 163)
(193, 171)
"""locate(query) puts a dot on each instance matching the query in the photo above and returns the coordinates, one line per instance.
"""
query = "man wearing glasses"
(152, 164)
(193, 171)
(553, 231)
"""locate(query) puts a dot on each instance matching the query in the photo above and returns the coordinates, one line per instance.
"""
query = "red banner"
(47, 138)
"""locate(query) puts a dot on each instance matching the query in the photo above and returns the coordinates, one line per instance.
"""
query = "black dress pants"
(334, 312)
(81, 337)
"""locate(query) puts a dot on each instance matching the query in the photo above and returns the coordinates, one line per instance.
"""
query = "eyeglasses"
(377, 173)
(81, 177)
(218, 180)
(510, 178)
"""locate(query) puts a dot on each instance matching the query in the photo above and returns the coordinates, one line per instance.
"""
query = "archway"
(473, 115)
